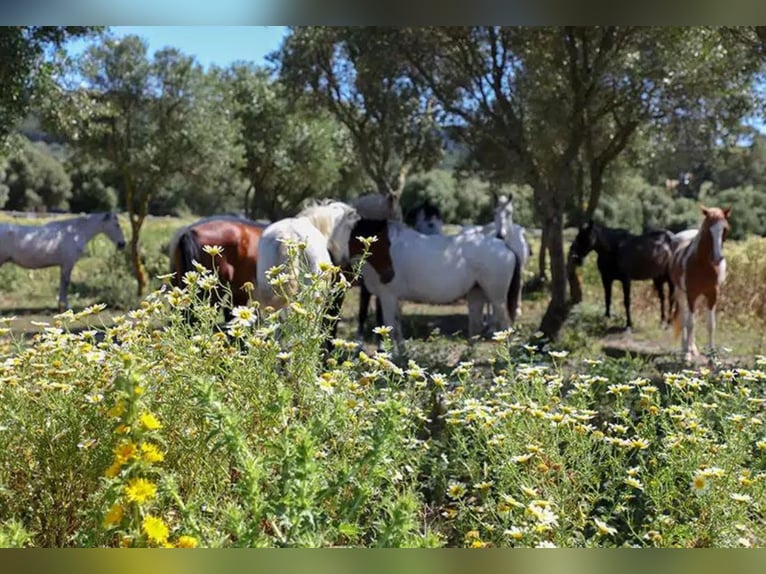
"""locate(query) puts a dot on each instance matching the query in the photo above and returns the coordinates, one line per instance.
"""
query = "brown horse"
(235, 265)
(698, 269)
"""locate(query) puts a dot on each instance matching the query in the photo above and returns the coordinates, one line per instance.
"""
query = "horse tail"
(514, 290)
(188, 249)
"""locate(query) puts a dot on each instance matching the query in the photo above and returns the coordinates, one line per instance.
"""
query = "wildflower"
(140, 490)
(558, 354)
(114, 516)
(243, 315)
(207, 282)
(150, 422)
(456, 489)
(186, 542)
(156, 529)
(700, 484)
(603, 528)
(545, 544)
(124, 451)
(738, 497)
(117, 410)
(483, 486)
(113, 470)
(212, 250)
(382, 330)
(502, 335)
(639, 443)
(523, 457)
(634, 483)
(514, 533)
(151, 453)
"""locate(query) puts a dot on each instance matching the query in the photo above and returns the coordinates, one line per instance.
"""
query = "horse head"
(583, 243)
(716, 221)
(503, 215)
(426, 219)
(379, 254)
(111, 226)
(343, 223)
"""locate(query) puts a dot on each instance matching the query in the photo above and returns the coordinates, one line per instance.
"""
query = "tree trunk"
(558, 308)
(136, 221)
(542, 256)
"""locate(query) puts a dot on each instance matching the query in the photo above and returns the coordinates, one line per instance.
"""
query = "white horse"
(441, 269)
(326, 231)
(513, 234)
(56, 244)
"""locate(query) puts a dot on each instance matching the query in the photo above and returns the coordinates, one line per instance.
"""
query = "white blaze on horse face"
(716, 230)
(504, 216)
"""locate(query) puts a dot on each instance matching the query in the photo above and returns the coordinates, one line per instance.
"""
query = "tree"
(152, 120)
(35, 179)
(357, 75)
(24, 68)
(291, 152)
(560, 104)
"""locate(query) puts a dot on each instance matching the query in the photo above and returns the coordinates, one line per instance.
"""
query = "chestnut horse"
(236, 265)
(698, 269)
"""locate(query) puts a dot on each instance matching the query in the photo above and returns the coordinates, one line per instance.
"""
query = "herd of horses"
(411, 260)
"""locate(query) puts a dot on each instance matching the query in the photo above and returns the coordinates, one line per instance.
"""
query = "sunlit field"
(125, 426)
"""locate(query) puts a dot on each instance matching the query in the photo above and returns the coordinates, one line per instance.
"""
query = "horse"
(440, 269)
(325, 228)
(374, 207)
(624, 257)
(425, 217)
(235, 265)
(698, 269)
(57, 244)
(514, 235)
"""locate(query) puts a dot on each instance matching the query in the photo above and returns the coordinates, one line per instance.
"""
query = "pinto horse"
(235, 266)
(624, 257)
(698, 269)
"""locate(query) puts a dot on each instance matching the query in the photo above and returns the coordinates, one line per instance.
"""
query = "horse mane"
(323, 215)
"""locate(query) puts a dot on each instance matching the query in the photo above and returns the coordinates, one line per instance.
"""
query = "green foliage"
(34, 178)
(291, 151)
(357, 75)
(93, 186)
(24, 68)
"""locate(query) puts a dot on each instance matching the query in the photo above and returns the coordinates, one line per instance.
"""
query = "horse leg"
(658, 286)
(711, 327)
(66, 275)
(476, 300)
(691, 344)
(626, 302)
(389, 306)
(364, 306)
(607, 283)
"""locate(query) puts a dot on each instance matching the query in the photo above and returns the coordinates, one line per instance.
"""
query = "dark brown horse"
(624, 257)
(235, 265)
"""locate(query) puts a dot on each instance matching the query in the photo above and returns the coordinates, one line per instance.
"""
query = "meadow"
(121, 425)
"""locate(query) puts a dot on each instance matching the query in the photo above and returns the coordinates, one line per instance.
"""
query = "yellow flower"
(124, 451)
(113, 470)
(117, 410)
(150, 422)
(140, 490)
(156, 529)
(187, 542)
(114, 516)
(151, 453)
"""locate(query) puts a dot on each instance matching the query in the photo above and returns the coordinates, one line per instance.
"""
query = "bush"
(244, 436)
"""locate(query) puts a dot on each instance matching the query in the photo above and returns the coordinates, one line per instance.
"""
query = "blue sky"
(219, 45)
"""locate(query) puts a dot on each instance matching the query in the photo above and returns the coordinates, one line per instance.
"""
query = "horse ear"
(704, 210)
(727, 212)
